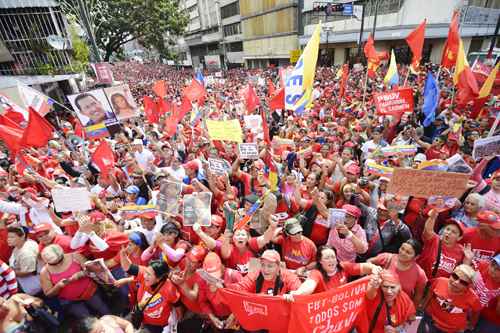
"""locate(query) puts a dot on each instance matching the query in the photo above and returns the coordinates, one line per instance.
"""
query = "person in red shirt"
(487, 288)
(270, 279)
(453, 306)
(299, 252)
(330, 273)
(485, 238)
(452, 253)
(404, 265)
(387, 306)
(46, 235)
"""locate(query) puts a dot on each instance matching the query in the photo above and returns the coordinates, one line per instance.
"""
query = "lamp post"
(327, 29)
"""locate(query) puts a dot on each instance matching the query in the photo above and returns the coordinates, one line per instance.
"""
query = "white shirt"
(144, 159)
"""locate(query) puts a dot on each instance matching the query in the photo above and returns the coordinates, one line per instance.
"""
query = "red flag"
(278, 100)
(9, 122)
(21, 163)
(464, 79)
(79, 131)
(270, 88)
(104, 158)
(184, 109)
(195, 92)
(251, 99)
(343, 83)
(151, 110)
(38, 132)
(11, 137)
(163, 107)
(372, 57)
(160, 88)
(15, 116)
(415, 41)
(450, 51)
(265, 127)
(484, 93)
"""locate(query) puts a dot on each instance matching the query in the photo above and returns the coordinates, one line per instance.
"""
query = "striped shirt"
(8, 282)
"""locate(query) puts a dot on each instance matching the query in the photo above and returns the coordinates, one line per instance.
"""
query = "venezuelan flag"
(96, 131)
(379, 170)
(392, 76)
(133, 211)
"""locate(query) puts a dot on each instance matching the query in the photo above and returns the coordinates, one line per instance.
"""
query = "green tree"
(116, 22)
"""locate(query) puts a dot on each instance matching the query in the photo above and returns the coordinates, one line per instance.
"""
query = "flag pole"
(495, 125)
(407, 75)
(366, 83)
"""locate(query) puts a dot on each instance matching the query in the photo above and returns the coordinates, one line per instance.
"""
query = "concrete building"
(395, 20)
(270, 31)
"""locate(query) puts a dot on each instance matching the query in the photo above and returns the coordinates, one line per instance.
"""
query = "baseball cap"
(132, 189)
(420, 157)
(489, 217)
(292, 226)
(197, 253)
(42, 227)
(457, 223)
(272, 256)
(353, 169)
(352, 210)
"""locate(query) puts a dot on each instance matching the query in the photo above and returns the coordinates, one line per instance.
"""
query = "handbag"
(137, 314)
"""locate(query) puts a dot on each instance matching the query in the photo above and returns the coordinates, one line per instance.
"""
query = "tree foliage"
(116, 22)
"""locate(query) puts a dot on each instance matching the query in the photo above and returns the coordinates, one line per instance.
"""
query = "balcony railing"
(472, 15)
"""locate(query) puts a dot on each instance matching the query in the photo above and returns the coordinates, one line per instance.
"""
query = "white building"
(396, 19)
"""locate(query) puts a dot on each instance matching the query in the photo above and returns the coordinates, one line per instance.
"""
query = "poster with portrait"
(95, 113)
(121, 101)
(168, 197)
(99, 272)
(197, 208)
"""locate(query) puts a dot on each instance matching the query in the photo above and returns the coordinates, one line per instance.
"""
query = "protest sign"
(456, 163)
(217, 166)
(424, 184)
(486, 147)
(122, 101)
(197, 209)
(253, 122)
(335, 216)
(229, 130)
(71, 199)
(99, 272)
(168, 197)
(248, 151)
(332, 311)
(395, 102)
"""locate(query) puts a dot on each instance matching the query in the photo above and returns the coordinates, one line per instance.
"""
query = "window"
(234, 47)
(230, 10)
(232, 29)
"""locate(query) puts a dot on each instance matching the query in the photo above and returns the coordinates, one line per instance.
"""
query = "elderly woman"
(64, 277)
(388, 308)
(467, 213)
(452, 306)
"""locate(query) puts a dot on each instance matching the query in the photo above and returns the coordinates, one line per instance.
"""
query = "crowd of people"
(156, 274)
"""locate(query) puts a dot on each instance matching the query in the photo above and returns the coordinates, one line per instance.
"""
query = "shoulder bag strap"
(153, 294)
(438, 260)
(377, 313)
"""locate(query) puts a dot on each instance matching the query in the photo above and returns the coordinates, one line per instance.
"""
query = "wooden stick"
(366, 83)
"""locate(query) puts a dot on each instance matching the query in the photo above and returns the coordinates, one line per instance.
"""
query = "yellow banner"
(295, 55)
(228, 130)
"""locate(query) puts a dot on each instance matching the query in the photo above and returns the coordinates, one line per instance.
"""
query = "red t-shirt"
(488, 292)
(320, 230)
(340, 278)
(484, 248)
(297, 254)
(450, 257)
(399, 313)
(449, 311)
(211, 302)
(248, 283)
(412, 278)
(239, 260)
(193, 306)
(158, 310)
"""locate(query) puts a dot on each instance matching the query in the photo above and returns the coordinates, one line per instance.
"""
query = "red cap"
(457, 223)
(272, 256)
(217, 220)
(212, 263)
(42, 227)
(353, 169)
(489, 217)
(97, 216)
(197, 253)
(352, 210)
(193, 165)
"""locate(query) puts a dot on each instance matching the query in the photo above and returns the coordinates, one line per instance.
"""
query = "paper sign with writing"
(229, 130)
(486, 147)
(248, 151)
(424, 184)
(395, 102)
(71, 199)
(218, 167)
(197, 209)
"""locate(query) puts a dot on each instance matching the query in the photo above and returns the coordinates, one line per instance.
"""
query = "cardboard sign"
(424, 184)
(197, 209)
(486, 147)
(71, 199)
(395, 102)
(229, 130)
(218, 167)
(168, 197)
(248, 151)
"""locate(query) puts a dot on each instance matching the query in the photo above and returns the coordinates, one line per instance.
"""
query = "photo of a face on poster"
(122, 102)
(168, 197)
(92, 108)
(197, 209)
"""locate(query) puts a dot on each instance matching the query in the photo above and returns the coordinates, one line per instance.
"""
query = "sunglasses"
(455, 277)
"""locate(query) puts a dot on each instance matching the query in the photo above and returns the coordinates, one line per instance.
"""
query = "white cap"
(137, 142)
(420, 157)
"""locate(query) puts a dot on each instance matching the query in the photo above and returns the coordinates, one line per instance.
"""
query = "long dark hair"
(318, 264)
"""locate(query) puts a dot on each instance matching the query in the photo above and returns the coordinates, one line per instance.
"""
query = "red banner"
(395, 102)
(328, 312)
(332, 311)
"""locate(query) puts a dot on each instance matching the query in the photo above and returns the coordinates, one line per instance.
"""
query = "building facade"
(395, 19)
